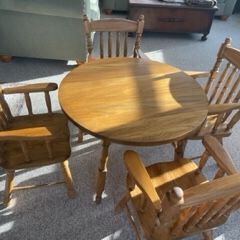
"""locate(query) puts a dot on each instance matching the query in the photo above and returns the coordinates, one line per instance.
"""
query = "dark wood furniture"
(172, 17)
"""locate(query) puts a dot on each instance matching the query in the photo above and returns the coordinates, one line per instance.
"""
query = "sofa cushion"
(65, 8)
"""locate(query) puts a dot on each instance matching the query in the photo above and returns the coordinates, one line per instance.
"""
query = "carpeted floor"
(47, 213)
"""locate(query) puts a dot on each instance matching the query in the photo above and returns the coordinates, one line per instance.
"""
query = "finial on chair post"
(176, 195)
(228, 41)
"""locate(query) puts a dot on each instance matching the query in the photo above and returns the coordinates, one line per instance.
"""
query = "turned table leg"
(179, 149)
(102, 171)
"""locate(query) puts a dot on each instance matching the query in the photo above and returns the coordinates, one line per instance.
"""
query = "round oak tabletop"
(133, 101)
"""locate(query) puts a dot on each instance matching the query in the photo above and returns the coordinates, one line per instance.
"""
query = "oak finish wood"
(114, 32)
(132, 101)
(223, 91)
(33, 140)
(187, 203)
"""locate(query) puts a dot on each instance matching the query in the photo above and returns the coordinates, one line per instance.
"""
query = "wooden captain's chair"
(33, 140)
(175, 199)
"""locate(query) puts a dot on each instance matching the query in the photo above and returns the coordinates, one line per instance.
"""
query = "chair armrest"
(140, 175)
(210, 191)
(27, 134)
(222, 108)
(216, 150)
(197, 74)
(30, 88)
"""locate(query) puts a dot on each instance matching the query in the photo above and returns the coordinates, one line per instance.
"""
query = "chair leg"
(122, 203)
(208, 235)
(68, 179)
(8, 187)
(80, 135)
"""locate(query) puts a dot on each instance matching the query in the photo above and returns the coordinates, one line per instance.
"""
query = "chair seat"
(44, 125)
(164, 176)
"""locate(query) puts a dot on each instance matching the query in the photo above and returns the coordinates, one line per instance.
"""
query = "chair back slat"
(109, 44)
(226, 86)
(48, 101)
(195, 218)
(125, 53)
(119, 26)
(215, 69)
(117, 44)
(232, 93)
(6, 114)
(28, 103)
(101, 45)
(235, 118)
(182, 220)
(218, 210)
(231, 205)
(219, 83)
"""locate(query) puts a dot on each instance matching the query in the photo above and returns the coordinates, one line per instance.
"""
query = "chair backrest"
(19, 140)
(204, 206)
(5, 112)
(223, 85)
(114, 28)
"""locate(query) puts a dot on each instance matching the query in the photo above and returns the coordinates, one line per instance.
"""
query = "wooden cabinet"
(172, 17)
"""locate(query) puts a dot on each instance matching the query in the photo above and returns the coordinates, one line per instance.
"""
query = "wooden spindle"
(233, 90)
(109, 44)
(216, 66)
(224, 89)
(25, 151)
(117, 44)
(182, 220)
(125, 44)
(219, 82)
(28, 103)
(220, 173)
(233, 121)
(222, 207)
(232, 205)
(49, 149)
(197, 216)
(203, 160)
(48, 102)
(4, 105)
(101, 45)
(3, 121)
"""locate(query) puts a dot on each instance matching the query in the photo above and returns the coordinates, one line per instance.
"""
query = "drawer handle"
(173, 20)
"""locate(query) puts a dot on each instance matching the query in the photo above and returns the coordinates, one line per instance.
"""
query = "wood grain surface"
(133, 101)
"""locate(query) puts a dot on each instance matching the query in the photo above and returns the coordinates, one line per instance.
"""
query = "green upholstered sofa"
(50, 29)
(225, 7)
